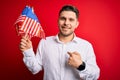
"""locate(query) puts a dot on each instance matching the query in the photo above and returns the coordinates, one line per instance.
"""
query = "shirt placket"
(62, 61)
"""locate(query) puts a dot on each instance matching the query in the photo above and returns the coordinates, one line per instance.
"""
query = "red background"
(99, 24)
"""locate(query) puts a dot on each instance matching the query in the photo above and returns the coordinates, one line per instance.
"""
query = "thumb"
(29, 40)
(76, 53)
(25, 36)
(70, 54)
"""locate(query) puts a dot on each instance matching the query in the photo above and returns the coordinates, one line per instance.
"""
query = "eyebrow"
(62, 17)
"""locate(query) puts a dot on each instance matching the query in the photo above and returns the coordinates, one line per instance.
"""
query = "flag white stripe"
(24, 23)
(33, 32)
(30, 25)
(20, 19)
(33, 27)
(27, 24)
(38, 29)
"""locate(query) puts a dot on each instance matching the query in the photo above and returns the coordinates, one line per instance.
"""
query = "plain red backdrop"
(99, 24)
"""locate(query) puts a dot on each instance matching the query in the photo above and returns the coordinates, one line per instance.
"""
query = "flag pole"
(28, 3)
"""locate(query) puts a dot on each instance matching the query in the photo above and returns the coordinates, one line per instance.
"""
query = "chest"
(55, 54)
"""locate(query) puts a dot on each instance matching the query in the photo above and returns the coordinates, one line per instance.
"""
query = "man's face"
(67, 23)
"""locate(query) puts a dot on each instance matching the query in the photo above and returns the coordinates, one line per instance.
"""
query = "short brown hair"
(70, 8)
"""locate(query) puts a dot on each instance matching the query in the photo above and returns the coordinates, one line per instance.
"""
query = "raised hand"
(25, 43)
(74, 59)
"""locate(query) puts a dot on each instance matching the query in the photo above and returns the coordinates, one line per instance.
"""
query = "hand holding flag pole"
(28, 23)
(25, 43)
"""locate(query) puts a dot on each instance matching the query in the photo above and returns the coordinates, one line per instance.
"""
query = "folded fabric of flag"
(28, 23)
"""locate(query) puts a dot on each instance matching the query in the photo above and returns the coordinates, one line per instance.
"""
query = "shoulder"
(83, 41)
(47, 39)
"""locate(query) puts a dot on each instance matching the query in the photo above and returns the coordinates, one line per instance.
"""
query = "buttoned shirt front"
(52, 56)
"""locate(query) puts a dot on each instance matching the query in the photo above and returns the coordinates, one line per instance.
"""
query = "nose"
(66, 22)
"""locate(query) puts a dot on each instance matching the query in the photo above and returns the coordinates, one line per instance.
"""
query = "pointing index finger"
(70, 54)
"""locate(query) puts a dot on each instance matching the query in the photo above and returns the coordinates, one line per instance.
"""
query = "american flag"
(28, 23)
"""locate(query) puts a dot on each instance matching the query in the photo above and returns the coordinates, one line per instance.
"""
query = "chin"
(66, 34)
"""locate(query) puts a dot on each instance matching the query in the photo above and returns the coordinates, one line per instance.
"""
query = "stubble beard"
(65, 35)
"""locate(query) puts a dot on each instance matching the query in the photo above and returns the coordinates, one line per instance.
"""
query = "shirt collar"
(75, 39)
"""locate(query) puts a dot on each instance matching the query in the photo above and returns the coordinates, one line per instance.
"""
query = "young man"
(64, 56)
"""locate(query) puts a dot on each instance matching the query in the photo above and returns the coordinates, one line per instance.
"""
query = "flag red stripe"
(24, 23)
(27, 24)
(32, 29)
(35, 29)
(20, 19)
(30, 26)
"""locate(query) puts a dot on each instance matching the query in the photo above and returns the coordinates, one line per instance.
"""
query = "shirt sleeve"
(91, 71)
(32, 61)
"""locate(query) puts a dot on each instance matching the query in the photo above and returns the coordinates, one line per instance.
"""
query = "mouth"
(66, 27)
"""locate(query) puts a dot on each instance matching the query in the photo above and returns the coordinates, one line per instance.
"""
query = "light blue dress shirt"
(52, 57)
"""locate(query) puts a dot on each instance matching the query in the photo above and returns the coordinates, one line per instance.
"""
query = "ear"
(77, 24)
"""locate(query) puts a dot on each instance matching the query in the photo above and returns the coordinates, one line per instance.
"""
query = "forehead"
(68, 14)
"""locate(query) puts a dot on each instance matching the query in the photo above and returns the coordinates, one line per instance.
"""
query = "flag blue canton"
(28, 11)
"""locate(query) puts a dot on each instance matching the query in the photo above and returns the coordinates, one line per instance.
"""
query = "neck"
(66, 39)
